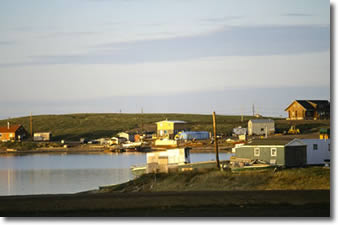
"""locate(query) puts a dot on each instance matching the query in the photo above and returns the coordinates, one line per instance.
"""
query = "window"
(315, 147)
(273, 152)
(262, 129)
(256, 152)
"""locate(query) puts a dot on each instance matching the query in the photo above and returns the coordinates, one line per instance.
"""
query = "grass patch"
(18, 145)
(310, 178)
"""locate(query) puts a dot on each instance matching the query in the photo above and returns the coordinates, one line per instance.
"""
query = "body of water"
(46, 173)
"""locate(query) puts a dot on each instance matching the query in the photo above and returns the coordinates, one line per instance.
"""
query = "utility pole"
(142, 120)
(31, 124)
(242, 114)
(253, 109)
(215, 138)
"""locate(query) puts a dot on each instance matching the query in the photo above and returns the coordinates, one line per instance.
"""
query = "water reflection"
(70, 173)
(22, 182)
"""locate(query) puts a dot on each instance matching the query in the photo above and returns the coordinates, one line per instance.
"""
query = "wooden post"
(215, 138)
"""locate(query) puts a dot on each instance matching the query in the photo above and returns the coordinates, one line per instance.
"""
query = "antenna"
(142, 120)
(31, 124)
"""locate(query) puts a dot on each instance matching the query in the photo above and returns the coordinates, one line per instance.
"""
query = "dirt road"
(202, 203)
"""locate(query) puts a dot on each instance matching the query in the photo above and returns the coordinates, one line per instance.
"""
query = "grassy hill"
(75, 126)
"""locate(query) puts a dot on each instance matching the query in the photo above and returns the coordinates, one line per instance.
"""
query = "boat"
(138, 170)
(253, 167)
(132, 145)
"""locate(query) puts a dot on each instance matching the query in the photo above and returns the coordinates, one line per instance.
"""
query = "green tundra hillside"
(95, 125)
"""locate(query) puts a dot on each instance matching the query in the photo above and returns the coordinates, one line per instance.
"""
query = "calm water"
(71, 173)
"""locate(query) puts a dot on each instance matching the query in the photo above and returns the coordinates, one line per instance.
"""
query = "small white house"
(261, 127)
(317, 150)
(42, 136)
(175, 156)
(129, 137)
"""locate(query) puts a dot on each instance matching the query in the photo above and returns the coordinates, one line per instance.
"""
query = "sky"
(183, 56)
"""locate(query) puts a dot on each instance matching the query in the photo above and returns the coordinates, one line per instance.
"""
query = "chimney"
(8, 125)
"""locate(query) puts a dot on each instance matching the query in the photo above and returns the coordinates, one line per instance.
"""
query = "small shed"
(161, 161)
(261, 127)
(324, 133)
(288, 153)
(239, 131)
(117, 140)
(42, 136)
(128, 136)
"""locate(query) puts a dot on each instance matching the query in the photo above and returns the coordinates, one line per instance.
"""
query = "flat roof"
(172, 121)
(262, 121)
(270, 141)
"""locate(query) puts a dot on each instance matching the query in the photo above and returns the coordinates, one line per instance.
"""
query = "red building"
(12, 132)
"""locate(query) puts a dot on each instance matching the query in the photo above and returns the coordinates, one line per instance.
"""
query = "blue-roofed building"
(193, 135)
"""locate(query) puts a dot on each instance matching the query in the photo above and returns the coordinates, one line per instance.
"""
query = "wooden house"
(308, 110)
(12, 133)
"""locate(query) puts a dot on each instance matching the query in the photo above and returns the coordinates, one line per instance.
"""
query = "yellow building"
(169, 128)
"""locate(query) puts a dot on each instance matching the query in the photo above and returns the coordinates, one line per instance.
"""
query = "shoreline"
(103, 150)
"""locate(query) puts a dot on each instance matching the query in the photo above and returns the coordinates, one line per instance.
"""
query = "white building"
(261, 127)
(129, 137)
(175, 156)
(317, 150)
(42, 136)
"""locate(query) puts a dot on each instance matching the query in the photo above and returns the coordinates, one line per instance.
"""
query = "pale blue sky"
(71, 54)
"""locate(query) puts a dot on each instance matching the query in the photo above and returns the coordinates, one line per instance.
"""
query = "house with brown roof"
(308, 110)
(12, 132)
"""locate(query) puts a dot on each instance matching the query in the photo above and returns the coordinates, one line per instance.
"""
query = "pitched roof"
(325, 102)
(12, 128)
(262, 121)
(306, 104)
